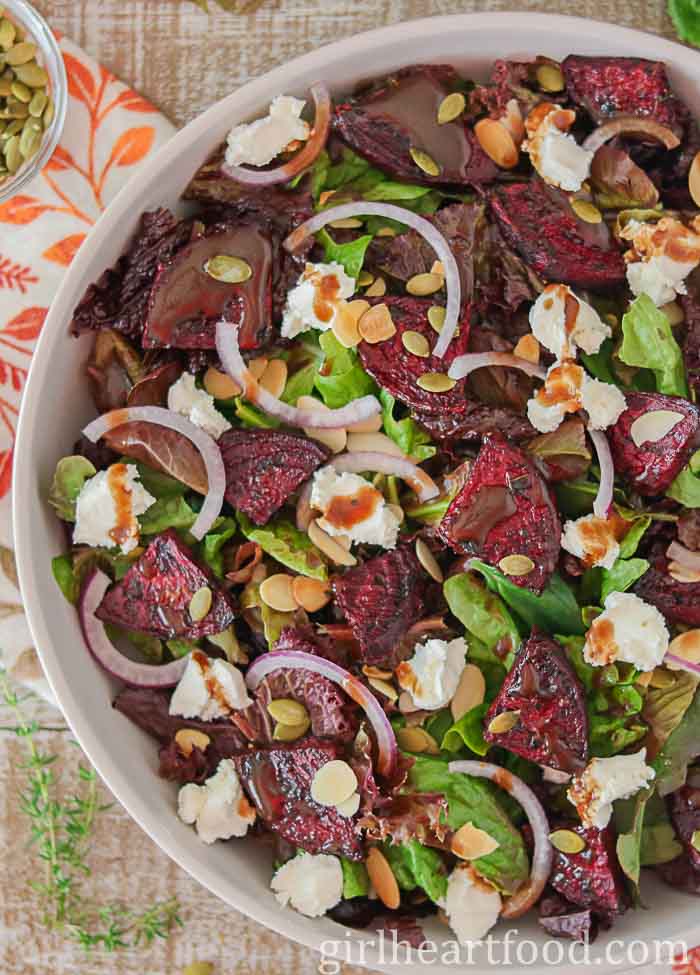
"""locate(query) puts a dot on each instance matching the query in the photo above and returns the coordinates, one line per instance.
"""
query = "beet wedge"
(678, 601)
(592, 878)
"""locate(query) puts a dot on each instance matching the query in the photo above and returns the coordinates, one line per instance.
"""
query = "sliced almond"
(438, 268)
(256, 367)
(428, 561)
(653, 426)
(377, 325)
(405, 703)
(345, 322)
(371, 425)
(333, 783)
(350, 806)
(470, 692)
(694, 179)
(259, 573)
(384, 687)
(188, 738)
(516, 565)
(686, 646)
(382, 878)
(325, 197)
(377, 289)
(421, 285)
(219, 385)
(528, 348)
(329, 546)
(274, 378)
(334, 439)
(497, 142)
(311, 594)
(276, 592)
(370, 671)
(504, 722)
(566, 841)
(200, 604)
(682, 573)
(386, 232)
(470, 842)
(417, 740)
(375, 443)
(512, 118)
(673, 311)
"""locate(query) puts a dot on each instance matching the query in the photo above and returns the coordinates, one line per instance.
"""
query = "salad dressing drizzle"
(121, 496)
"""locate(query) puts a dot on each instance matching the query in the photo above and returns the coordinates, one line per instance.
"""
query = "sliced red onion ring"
(683, 556)
(680, 663)
(541, 866)
(104, 651)
(464, 364)
(631, 125)
(354, 462)
(322, 419)
(604, 497)
(303, 159)
(206, 445)
(426, 229)
(298, 660)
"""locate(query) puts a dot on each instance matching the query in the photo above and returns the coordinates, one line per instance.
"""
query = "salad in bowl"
(387, 522)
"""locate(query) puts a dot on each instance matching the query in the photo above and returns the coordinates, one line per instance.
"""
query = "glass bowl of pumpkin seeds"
(33, 94)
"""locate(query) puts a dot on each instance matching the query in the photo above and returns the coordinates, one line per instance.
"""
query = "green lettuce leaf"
(180, 648)
(212, 544)
(341, 378)
(155, 482)
(350, 255)
(554, 610)
(430, 512)
(648, 343)
(272, 620)
(468, 732)
(250, 416)
(62, 568)
(70, 476)
(629, 840)
(285, 543)
(630, 543)
(475, 801)
(484, 615)
(300, 383)
(405, 433)
(685, 15)
(681, 748)
(171, 512)
(355, 879)
(415, 865)
(665, 707)
(685, 488)
(70, 570)
(622, 576)
(389, 191)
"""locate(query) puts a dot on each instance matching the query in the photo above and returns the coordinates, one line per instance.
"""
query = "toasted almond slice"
(653, 426)
(497, 142)
(694, 179)
(311, 594)
(345, 324)
(325, 196)
(333, 783)
(259, 573)
(334, 439)
(417, 740)
(428, 561)
(372, 425)
(370, 671)
(438, 268)
(383, 880)
(329, 546)
(257, 367)
(512, 118)
(681, 573)
(686, 646)
(276, 592)
(470, 842)
(528, 347)
(350, 806)
(188, 738)
(503, 722)
(470, 692)
(384, 687)
(377, 289)
(377, 325)
(274, 378)
(219, 385)
(566, 841)
(375, 443)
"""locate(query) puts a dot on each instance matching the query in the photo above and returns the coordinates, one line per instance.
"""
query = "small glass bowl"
(49, 56)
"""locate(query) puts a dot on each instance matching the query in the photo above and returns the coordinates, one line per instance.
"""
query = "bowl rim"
(267, 913)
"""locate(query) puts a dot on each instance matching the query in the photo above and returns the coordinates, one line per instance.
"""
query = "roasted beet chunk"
(684, 806)
(186, 302)
(546, 694)
(606, 87)
(278, 782)
(681, 874)
(678, 601)
(154, 596)
(551, 241)
(505, 508)
(563, 920)
(396, 369)
(385, 123)
(474, 420)
(263, 467)
(652, 466)
(381, 599)
(591, 878)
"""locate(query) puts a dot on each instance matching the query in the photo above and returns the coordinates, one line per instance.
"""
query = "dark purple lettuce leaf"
(162, 449)
(684, 808)
(309, 639)
(415, 816)
(175, 766)
(681, 874)
(560, 919)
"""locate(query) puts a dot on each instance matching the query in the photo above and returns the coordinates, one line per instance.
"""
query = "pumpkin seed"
(418, 741)
(32, 74)
(20, 53)
(516, 565)
(364, 279)
(550, 77)
(382, 878)
(200, 604)
(290, 732)
(38, 103)
(586, 211)
(470, 692)
(346, 223)
(188, 738)
(333, 783)
(49, 112)
(13, 128)
(5, 87)
(386, 232)
(416, 344)
(436, 382)
(276, 592)
(470, 842)
(287, 711)
(16, 108)
(377, 289)
(29, 142)
(13, 156)
(230, 270)
(21, 91)
(451, 107)
(428, 561)
(8, 32)
(421, 285)
(694, 179)
(566, 841)
(424, 161)
(436, 317)
(695, 840)
(505, 721)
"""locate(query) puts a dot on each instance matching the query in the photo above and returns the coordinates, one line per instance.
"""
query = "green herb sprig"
(61, 829)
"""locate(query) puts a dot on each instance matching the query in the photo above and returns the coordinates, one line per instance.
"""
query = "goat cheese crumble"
(352, 507)
(592, 540)
(218, 808)
(197, 405)
(628, 629)
(209, 689)
(554, 153)
(661, 257)
(107, 508)
(311, 884)
(471, 904)
(604, 781)
(562, 322)
(432, 674)
(567, 389)
(258, 143)
(317, 299)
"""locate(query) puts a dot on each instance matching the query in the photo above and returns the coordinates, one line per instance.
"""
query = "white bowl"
(57, 404)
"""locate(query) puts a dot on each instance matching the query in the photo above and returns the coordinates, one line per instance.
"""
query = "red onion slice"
(104, 651)
(680, 663)
(604, 497)
(541, 865)
(206, 445)
(683, 556)
(426, 229)
(298, 660)
(464, 364)
(641, 128)
(303, 159)
(355, 462)
(322, 419)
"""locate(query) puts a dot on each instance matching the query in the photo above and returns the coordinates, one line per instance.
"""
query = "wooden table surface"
(183, 60)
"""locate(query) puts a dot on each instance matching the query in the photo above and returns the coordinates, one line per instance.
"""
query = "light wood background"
(183, 60)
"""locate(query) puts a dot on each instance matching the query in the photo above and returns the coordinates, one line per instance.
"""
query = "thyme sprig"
(61, 828)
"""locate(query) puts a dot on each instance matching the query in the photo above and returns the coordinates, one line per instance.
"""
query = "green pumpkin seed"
(49, 111)
(436, 317)
(695, 840)
(32, 74)
(516, 565)
(199, 968)
(416, 344)
(290, 732)
(436, 382)
(13, 156)
(451, 107)
(29, 142)
(200, 604)
(230, 270)
(16, 108)
(424, 284)
(550, 77)
(38, 103)
(365, 279)
(386, 232)
(566, 841)
(21, 53)
(505, 721)
(425, 162)
(287, 711)
(13, 128)
(5, 87)
(8, 32)
(21, 92)
(346, 223)
(586, 211)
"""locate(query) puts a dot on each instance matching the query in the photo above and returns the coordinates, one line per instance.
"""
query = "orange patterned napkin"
(110, 132)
